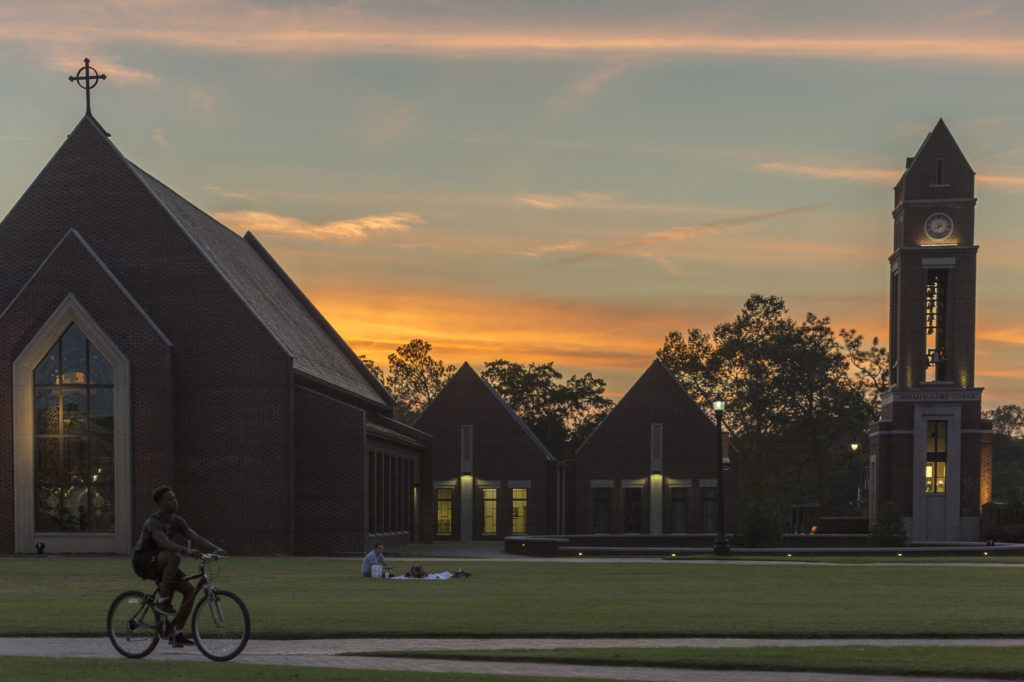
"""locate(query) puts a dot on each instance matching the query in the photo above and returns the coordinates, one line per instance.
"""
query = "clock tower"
(931, 452)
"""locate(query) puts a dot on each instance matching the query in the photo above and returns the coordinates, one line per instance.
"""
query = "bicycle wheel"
(131, 625)
(220, 625)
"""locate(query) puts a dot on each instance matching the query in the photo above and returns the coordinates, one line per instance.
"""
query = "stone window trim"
(70, 311)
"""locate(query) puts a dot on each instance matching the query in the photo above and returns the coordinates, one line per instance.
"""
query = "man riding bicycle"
(157, 557)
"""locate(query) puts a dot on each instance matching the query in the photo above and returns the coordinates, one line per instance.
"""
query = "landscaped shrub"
(889, 529)
(762, 524)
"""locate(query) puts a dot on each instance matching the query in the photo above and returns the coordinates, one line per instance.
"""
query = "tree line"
(798, 395)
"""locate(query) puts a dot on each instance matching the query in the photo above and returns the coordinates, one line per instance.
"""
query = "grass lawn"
(858, 559)
(991, 662)
(123, 670)
(312, 597)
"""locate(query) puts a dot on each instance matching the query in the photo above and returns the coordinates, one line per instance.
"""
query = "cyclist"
(157, 557)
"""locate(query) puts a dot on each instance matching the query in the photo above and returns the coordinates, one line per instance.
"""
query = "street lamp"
(721, 543)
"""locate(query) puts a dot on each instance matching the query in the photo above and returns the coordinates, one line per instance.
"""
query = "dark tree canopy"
(1007, 453)
(413, 378)
(795, 397)
(562, 415)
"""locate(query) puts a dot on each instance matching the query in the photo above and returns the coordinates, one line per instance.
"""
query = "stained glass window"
(74, 438)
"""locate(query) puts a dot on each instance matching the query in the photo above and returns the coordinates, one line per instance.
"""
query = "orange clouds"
(234, 26)
(856, 174)
(550, 202)
(345, 230)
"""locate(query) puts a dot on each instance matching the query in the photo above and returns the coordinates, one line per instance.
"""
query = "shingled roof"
(274, 299)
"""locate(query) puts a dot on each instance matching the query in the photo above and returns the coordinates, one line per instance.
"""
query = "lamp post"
(721, 543)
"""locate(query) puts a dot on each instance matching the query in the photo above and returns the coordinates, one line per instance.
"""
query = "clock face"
(938, 226)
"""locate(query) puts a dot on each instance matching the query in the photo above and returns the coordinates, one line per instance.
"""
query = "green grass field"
(309, 597)
(989, 662)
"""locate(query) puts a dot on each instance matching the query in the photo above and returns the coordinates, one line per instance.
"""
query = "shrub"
(889, 529)
(762, 524)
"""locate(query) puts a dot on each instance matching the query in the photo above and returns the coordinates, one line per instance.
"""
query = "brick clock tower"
(931, 452)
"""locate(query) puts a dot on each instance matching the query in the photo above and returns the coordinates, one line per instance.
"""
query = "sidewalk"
(327, 653)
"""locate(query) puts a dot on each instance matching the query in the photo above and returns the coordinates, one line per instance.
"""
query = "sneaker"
(180, 640)
(164, 608)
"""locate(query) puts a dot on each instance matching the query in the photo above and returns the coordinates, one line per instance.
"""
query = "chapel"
(144, 343)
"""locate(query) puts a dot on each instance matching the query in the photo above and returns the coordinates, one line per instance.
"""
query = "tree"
(1007, 420)
(374, 368)
(1007, 453)
(870, 366)
(794, 399)
(413, 378)
(562, 415)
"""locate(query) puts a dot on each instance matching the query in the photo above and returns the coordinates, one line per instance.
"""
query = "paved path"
(325, 653)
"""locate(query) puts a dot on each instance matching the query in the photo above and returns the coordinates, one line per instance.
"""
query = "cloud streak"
(874, 175)
(552, 202)
(832, 173)
(237, 27)
(680, 233)
(336, 230)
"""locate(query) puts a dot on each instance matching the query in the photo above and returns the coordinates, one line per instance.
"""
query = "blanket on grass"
(443, 575)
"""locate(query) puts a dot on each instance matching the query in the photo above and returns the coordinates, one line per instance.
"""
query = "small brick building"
(650, 466)
(491, 476)
(141, 343)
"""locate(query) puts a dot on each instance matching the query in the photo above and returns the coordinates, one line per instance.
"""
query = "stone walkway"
(325, 653)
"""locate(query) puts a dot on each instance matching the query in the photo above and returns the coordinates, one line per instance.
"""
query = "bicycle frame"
(204, 585)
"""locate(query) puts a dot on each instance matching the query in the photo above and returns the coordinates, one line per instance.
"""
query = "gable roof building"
(225, 380)
(491, 476)
(650, 466)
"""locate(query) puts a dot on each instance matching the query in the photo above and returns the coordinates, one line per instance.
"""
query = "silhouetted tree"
(413, 378)
(1007, 453)
(794, 400)
(562, 415)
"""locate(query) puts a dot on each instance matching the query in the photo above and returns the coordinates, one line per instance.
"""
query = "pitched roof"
(271, 298)
(656, 373)
(467, 373)
(316, 349)
(940, 135)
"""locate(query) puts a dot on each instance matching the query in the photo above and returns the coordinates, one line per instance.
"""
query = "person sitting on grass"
(157, 557)
(375, 557)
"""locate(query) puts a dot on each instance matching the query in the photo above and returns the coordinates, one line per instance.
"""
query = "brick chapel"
(142, 343)
(931, 451)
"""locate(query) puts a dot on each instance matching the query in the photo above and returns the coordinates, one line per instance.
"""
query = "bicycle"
(220, 621)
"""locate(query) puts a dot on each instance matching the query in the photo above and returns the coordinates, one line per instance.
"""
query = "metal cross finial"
(87, 78)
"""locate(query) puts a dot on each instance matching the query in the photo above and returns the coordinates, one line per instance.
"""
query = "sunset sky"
(536, 181)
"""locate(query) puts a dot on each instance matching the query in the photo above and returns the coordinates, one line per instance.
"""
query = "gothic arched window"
(73, 437)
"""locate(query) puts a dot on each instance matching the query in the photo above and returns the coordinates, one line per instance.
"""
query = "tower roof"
(938, 167)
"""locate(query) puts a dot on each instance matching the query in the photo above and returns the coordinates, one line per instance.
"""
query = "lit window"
(935, 458)
(444, 511)
(490, 499)
(74, 438)
(518, 511)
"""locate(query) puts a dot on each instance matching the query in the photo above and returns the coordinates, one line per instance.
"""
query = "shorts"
(144, 565)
